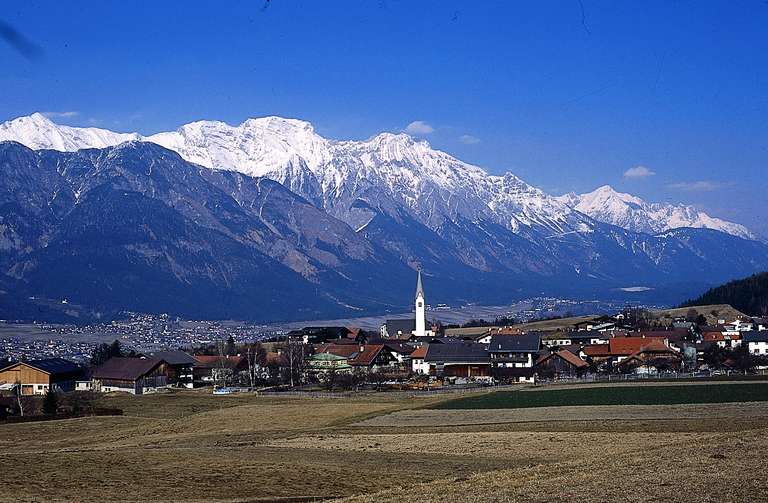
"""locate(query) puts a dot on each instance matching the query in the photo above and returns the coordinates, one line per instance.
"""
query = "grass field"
(196, 447)
(613, 395)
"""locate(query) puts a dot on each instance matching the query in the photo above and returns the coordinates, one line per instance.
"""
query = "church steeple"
(421, 318)
(419, 288)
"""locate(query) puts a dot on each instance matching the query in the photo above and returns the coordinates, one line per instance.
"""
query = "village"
(417, 355)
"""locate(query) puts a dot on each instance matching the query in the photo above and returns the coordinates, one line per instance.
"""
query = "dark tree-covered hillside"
(748, 295)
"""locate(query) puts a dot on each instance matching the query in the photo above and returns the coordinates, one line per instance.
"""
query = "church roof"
(394, 327)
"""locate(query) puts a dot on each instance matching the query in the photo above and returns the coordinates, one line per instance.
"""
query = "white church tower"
(421, 329)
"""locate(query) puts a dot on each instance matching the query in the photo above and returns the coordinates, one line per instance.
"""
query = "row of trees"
(104, 352)
(739, 359)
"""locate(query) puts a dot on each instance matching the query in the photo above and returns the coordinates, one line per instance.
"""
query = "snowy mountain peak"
(39, 132)
(605, 204)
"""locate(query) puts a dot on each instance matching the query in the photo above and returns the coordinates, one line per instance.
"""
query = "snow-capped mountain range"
(630, 212)
(177, 215)
(386, 171)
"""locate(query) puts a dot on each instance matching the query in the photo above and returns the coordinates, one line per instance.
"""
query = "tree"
(18, 398)
(638, 317)
(222, 373)
(743, 360)
(231, 349)
(294, 354)
(715, 356)
(256, 356)
(51, 402)
(115, 349)
(104, 352)
(330, 377)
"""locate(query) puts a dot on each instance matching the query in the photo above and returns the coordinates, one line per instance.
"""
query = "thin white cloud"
(61, 115)
(419, 128)
(638, 172)
(468, 139)
(700, 186)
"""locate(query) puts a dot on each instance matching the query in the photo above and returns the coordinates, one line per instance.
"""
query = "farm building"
(459, 359)
(131, 375)
(36, 376)
(561, 363)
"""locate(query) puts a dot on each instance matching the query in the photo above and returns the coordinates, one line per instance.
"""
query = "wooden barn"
(36, 376)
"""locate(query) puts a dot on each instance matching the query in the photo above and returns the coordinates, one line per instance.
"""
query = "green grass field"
(620, 395)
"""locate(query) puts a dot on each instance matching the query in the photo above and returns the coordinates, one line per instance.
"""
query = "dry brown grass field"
(192, 446)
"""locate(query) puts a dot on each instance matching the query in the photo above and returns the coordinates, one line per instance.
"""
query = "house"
(676, 337)
(562, 363)
(760, 324)
(401, 352)
(418, 365)
(463, 359)
(728, 340)
(652, 354)
(36, 376)
(180, 367)
(513, 356)
(131, 375)
(619, 349)
(597, 353)
(739, 326)
(209, 370)
(371, 357)
(605, 322)
(757, 342)
(320, 364)
(581, 337)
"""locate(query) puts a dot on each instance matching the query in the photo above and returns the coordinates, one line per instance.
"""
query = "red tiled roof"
(215, 360)
(355, 353)
(719, 336)
(419, 353)
(368, 355)
(625, 346)
(565, 355)
(597, 350)
(571, 358)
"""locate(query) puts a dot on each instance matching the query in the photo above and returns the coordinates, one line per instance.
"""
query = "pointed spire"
(419, 288)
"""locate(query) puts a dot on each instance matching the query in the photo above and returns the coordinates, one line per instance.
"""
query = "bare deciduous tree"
(256, 356)
(294, 355)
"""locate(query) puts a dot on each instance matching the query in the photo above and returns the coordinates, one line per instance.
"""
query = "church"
(410, 327)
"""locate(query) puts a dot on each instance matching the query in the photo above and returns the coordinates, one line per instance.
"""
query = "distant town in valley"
(539, 340)
(152, 332)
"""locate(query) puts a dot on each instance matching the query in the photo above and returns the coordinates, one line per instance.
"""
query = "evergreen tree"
(231, 348)
(104, 352)
(50, 402)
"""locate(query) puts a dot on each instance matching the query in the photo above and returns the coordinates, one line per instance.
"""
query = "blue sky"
(568, 95)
